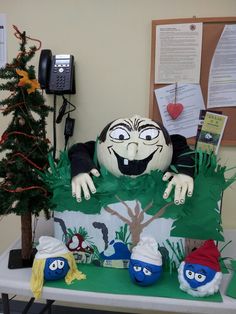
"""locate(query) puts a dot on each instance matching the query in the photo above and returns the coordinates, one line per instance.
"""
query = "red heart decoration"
(175, 110)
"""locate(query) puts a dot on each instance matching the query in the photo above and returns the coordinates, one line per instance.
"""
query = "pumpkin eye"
(137, 268)
(147, 272)
(60, 264)
(199, 277)
(53, 265)
(119, 134)
(189, 274)
(149, 134)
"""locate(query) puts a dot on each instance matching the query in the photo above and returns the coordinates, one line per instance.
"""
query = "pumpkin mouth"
(133, 167)
(137, 280)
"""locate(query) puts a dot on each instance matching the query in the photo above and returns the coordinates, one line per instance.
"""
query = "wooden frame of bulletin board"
(212, 29)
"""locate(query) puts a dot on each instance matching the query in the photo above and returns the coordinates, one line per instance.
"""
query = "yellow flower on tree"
(34, 84)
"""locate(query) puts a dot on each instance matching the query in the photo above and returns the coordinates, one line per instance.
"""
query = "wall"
(111, 41)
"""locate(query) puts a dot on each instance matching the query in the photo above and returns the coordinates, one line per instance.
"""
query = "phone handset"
(44, 68)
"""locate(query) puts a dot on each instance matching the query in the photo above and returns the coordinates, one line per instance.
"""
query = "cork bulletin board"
(212, 29)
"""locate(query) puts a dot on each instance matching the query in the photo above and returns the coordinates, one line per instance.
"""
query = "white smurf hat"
(50, 247)
(147, 251)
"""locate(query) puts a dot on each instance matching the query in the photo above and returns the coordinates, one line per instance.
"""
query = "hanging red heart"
(175, 110)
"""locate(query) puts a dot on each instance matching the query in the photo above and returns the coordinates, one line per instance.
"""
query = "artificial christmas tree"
(23, 145)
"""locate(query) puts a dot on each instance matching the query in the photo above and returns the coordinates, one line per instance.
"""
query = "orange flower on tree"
(25, 80)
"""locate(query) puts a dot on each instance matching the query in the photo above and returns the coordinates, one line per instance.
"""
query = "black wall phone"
(56, 73)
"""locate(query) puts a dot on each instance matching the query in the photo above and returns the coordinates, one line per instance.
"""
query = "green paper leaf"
(198, 218)
(231, 289)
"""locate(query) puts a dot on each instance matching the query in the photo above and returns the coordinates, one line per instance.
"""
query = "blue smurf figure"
(200, 274)
(55, 268)
(145, 265)
(53, 261)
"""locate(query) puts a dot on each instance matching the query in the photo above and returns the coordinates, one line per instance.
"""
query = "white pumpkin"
(134, 146)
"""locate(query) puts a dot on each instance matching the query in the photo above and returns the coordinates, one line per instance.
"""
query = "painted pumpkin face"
(144, 274)
(198, 275)
(134, 146)
(198, 280)
(55, 268)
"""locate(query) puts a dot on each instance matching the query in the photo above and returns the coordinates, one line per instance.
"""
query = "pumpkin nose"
(132, 150)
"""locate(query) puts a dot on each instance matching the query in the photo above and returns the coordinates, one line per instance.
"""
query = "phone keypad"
(61, 80)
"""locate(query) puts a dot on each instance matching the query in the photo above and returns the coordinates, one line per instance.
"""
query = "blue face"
(55, 268)
(144, 274)
(198, 275)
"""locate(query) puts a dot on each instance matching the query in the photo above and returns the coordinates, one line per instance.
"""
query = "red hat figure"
(200, 274)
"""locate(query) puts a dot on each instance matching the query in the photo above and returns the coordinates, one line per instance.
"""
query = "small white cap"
(50, 247)
(147, 251)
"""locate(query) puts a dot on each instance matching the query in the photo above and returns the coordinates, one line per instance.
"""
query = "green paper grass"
(117, 281)
(231, 289)
(198, 218)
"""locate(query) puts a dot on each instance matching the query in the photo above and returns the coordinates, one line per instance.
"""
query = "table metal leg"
(5, 303)
(47, 307)
(50, 302)
(28, 306)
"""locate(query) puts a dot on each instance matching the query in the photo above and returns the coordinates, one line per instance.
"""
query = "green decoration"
(198, 218)
(119, 282)
(231, 289)
(124, 235)
(109, 188)
(24, 144)
(178, 252)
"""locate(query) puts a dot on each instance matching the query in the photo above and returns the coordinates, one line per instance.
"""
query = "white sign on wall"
(3, 46)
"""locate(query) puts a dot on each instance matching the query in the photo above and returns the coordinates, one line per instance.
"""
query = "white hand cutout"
(82, 184)
(183, 185)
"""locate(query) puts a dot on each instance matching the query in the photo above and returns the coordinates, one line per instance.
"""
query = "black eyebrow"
(190, 266)
(129, 122)
(148, 125)
(203, 271)
(121, 124)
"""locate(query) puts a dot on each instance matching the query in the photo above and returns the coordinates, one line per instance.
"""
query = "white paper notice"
(190, 96)
(3, 46)
(222, 78)
(178, 53)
